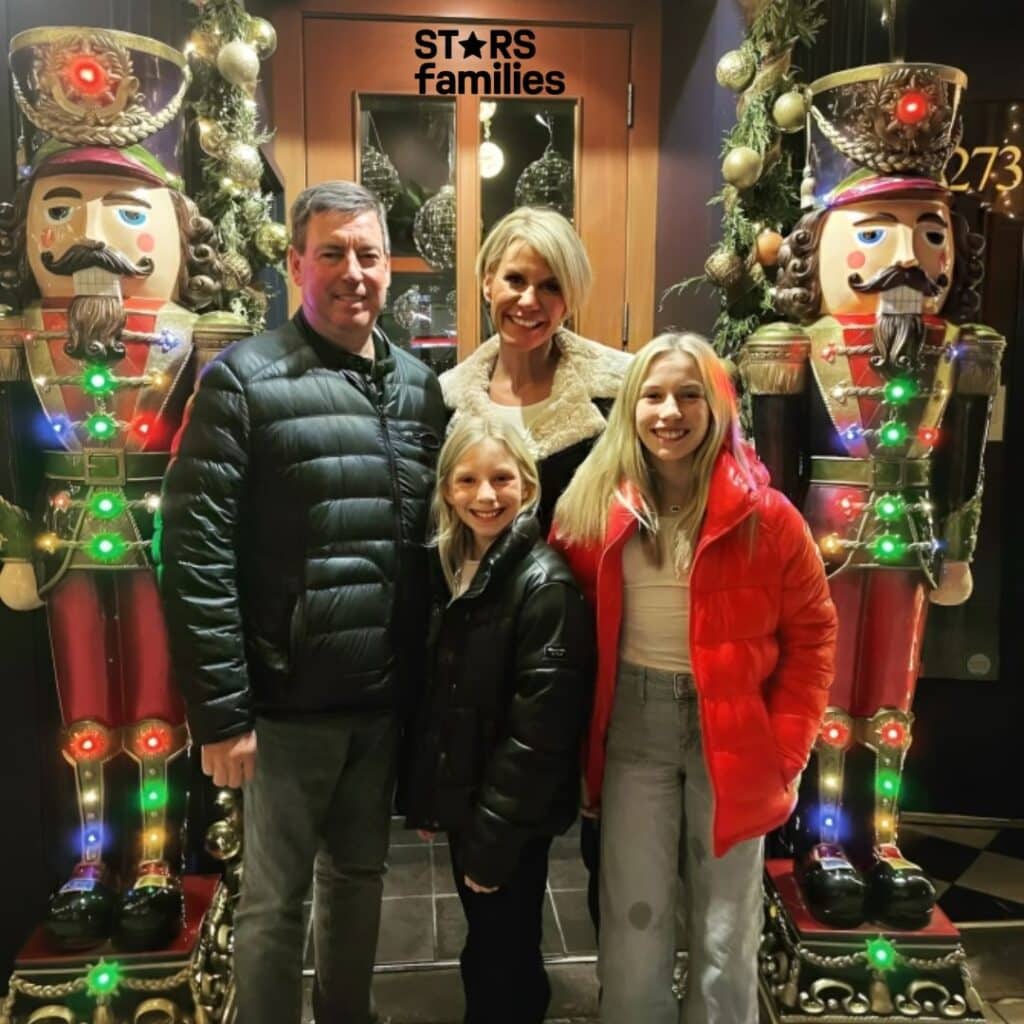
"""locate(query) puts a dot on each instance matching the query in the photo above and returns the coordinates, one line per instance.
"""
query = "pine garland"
(229, 133)
(760, 72)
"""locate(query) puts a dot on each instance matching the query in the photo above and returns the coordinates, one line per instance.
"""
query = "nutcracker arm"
(773, 366)
(959, 462)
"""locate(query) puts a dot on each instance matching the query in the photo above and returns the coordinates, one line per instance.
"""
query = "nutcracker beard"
(899, 326)
(96, 318)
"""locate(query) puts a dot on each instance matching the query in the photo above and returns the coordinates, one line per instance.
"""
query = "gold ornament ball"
(202, 45)
(767, 247)
(742, 167)
(243, 163)
(735, 70)
(212, 136)
(238, 63)
(272, 240)
(263, 36)
(724, 268)
(790, 111)
(237, 272)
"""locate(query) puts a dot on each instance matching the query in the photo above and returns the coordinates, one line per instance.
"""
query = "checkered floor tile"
(978, 872)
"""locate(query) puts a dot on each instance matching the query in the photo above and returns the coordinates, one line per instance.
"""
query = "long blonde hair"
(619, 457)
(454, 539)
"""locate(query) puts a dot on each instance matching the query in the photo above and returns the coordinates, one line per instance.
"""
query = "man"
(109, 261)
(874, 421)
(294, 519)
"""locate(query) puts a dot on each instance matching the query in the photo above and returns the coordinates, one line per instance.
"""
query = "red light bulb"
(912, 107)
(88, 75)
(928, 435)
(894, 734)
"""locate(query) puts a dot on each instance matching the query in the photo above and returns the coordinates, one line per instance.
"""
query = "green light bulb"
(890, 507)
(104, 978)
(900, 390)
(881, 954)
(888, 547)
(107, 547)
(106, 504)
(97, 380)
(893, 433)
(888, 784)
(154, 796)
(101, 426)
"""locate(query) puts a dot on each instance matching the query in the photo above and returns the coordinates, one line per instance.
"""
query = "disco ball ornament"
(263, 37)
(237, 272)
(433, 230)
(735, 69)
(243, 163)
(411, 309)
(380, 176)
(547, 182)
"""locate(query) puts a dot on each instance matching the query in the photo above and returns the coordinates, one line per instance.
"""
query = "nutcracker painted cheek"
(856, 259)
(146, 242)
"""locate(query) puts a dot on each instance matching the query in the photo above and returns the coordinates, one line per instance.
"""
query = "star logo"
(472, 47)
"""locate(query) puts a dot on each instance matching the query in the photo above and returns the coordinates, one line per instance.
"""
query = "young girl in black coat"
(495, 755)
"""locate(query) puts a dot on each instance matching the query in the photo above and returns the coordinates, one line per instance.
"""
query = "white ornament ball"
(238, 63)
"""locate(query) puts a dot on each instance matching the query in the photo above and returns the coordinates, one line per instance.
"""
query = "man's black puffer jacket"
(293, 525)
(495, 754)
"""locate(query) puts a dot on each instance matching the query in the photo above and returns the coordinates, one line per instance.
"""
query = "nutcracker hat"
(99, 101)
(881, 129)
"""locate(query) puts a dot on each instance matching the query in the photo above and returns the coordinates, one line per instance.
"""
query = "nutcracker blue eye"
(936, 238)
(870, 236)
(132, 216)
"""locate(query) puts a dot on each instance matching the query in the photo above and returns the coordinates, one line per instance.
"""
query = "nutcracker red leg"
(151, 908)
(81, 912)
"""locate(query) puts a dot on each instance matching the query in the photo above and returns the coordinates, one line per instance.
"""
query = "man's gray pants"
(319, 806)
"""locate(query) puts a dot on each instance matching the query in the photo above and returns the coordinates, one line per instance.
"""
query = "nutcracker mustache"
(894, 277)
(92, 253)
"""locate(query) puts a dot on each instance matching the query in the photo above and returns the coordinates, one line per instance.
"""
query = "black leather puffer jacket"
(294, 572)
(495, 753)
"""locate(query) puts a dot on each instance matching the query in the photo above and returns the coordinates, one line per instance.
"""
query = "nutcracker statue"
(873, 417)
(108, 260)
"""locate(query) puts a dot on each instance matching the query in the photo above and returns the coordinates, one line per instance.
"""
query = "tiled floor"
(978, 872)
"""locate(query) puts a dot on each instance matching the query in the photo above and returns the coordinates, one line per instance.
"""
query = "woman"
(554, 385)
(495, 754)
(533, 372)
(716, 638)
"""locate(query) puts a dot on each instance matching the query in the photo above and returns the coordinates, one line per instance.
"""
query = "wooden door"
(345, 59)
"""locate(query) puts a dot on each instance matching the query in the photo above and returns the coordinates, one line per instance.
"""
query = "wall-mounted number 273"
(997, 160)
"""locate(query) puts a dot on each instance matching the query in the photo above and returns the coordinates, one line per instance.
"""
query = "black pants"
(590, 853)
(503, 972)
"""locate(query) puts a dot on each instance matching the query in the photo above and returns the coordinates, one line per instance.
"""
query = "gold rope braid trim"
(140, 125)
(36, 991)
(870, 152)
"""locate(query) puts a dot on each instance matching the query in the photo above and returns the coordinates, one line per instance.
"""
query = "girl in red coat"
(715, 648)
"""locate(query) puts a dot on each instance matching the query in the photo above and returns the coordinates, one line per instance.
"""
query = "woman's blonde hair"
(553, 238)
(620, 458)
(454, 539)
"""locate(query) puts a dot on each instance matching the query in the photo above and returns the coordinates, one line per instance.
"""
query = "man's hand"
(955, 584)
(232, 761)
(476, 887)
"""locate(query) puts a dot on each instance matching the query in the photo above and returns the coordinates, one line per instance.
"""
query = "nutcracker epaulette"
(773, 360)
(12, 351)
(214, 331)
(980, 355)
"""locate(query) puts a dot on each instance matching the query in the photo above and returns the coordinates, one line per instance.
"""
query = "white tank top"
(656, 605)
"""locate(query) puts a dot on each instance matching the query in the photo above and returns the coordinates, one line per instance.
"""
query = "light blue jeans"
(318, 808)
(656, 815)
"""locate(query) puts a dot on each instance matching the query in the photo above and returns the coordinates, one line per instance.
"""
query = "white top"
(656, 605)
(520, 416)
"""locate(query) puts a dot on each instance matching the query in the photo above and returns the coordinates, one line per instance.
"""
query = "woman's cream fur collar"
(586, 370)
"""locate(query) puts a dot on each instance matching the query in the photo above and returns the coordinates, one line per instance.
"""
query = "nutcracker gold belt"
(874, 473)
(104, 466)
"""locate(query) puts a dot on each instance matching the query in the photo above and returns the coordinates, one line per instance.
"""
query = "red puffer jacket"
(762, 644)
